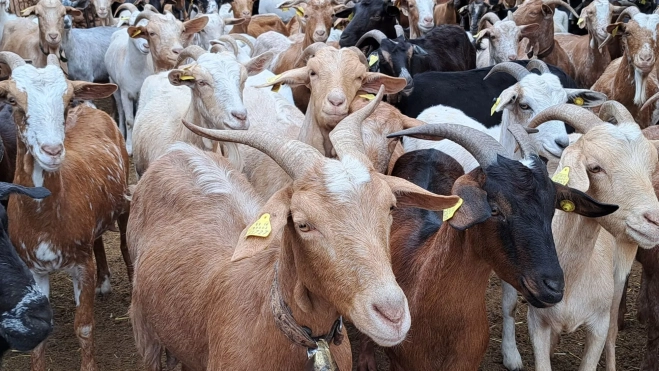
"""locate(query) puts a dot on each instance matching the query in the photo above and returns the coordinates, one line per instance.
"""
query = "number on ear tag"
(567, 206)
(448, 213)
(562, 177)
(261, 228)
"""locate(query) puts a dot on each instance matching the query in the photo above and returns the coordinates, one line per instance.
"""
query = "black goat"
(443, 48)
(369, 15)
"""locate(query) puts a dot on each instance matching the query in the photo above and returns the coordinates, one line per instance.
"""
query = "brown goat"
(262, 23)
(242, 9)
(445, 13)
(542, 41)
(326, 252)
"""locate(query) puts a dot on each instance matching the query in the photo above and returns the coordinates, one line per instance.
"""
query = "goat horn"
(244, 39)
(628, 12)
(579, 118)
(619, 8)
(131, 7)
(145, 14)
(522, 137)
(231, 41)
(308, 52)
(492, 18)
(151, 8)
(482, 146)
(375, 34)
(295, 157)
(561, 3)
(289, 4)
(219, 48)
(52, 60)
(538, 65)
(192, 51)
(613, 109)
(649, 102)
(511, 68)
(362, 57)
(13, 60)
(346, 137)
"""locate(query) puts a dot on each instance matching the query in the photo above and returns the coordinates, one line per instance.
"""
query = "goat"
(444, 48)
(446, 13)
(5, 16)
(85, 51)
(629, 79)
(502, 38)
(25, 313)
(420, 16)
(323, 231)
(369, 15)
(213, 29)
(35, 41)
(103, 10)
(8, 138)
(597, 255)
(474, 12)
(508, 203)
(272, 7)
(542, 42)
(207, 93)
(95, 177)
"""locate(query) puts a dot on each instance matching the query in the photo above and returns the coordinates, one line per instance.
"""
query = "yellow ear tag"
(567, 206)
(299, 11)
(615, 31)
(478, 35)
(285, 9)
(136, 33)
(275, 88)
(187, 77)
(642, 2)
(562, 177)
(124, 18)
(448, 213)
(372, 59)
(272, 79)
(261, 228)
(578, 101)
(494, 106)
(351, 16)
(580, 21)
(367, 96)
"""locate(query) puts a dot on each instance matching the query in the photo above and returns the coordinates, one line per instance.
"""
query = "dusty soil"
(115, 349)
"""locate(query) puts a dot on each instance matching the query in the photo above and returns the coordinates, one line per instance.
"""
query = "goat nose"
(246, 13)
(53, 150)
(102, 8)
(177, 50)
(428, 20)
(53, 36)
(392, 311)
(562, 142)
(320, 32)
(336, 98)
(512, 57)
(554, 285)
(240, 115)
(652, 217)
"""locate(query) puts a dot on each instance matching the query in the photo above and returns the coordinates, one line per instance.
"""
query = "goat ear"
(618, 27)
(585, 97)
(474, 209)
(297, 76)
(343, 13)
(276, 209)
(578, 176)
(29, 10)
(411, 195)
(35, 192)
(403, 9)
(374, 80)
(650, 133)
(507, 97)
(572, 200)
(137, 32)
(257, 64)
(89, 91)
(73, 12)
(409, 122)
(181, 78)
(547, 11)
(528, 29)
(233, 21)
(195, 25)
(118, 1)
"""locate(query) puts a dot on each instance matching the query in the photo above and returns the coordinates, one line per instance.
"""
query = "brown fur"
(445, 13)
(588, 63)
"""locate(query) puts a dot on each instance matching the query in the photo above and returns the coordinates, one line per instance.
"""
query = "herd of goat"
(279, 194)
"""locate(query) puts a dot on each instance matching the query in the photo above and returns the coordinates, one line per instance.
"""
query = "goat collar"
(545, 52)
(61, 57)
(318, 353)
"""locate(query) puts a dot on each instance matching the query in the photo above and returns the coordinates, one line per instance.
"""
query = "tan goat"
(82, 161)
(323, 253)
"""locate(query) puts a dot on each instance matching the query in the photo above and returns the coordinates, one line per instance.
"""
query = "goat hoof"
(105, 288)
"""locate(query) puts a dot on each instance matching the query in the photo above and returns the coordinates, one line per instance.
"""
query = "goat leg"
(622, 309)
(102, 270)
(84, 316)
(123, 226)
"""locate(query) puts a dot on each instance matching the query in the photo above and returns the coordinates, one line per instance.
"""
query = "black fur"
(369, 15)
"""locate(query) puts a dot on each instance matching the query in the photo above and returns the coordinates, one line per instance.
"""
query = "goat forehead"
(546, 87)
(343, 178)
(40, 85)
(219, 64)
(425, 7)
(648, 22)
(602, 9)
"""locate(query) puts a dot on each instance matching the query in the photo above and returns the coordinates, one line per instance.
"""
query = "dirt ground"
(115, 349)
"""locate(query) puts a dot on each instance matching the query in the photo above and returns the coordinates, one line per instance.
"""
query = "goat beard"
(640, 82)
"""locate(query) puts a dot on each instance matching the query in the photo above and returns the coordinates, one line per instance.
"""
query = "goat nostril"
(52, 150)
(391, 313)
(428, 19)
(240, 115)
(512, 57)
(651, 218)
(554, 285)
(562, 143)
(336, 101)
(53, 36)
(177, 50)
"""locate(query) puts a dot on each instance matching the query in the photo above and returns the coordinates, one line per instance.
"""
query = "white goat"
(498, 41)
(207, 93)
(613, 164)
(4, 15)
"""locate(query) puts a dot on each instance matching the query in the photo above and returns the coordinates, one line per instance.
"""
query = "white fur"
(13, 319)
(640, 83)
(648, 21)
(425, 8)
(344, 177)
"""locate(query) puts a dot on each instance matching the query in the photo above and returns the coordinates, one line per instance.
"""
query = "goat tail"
(146, 342)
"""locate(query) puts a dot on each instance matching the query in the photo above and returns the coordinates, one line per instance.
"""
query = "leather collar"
(61, 57)
(545, 52)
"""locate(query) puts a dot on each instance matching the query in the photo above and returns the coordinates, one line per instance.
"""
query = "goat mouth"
(643, 239)
(644, 68)
(553, 151)
(425, 28)
(534, 298)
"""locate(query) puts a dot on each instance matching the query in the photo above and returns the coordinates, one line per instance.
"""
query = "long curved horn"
(52, 60)
(649, 102)
(579, 118)
(538, 65)
(145, 14)
(513, 69)
(242, 38)
(308, 52)
(613, 109)
(561, 3)
(289, 4)
(346, 137)
(13, 60)
(628, 12)
(151, 8)
(295, 157)
(377, 35)
(128, 6)
(219, 48)
(523, 139)
(492, 18)
(482, 146)
(192, 51)
(231, 41)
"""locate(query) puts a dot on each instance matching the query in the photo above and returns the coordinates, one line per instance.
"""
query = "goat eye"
(11, 101)
(303, 227)
(594, 169)
(152, 34)
(495, 211)
(202, 83)
(523, 106)
(392, 207)
(312, 73)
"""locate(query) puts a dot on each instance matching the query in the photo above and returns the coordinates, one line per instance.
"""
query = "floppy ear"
(195, 25)
(585, 97)
(343, 13)
(73, 12)
(410, 194)
(257, 64)
(35, 192)
(89, 91)
(577, 176)
(233, 21)
(28, 11)
(507, 97)
(138, 31)
(297, 76)
(474, 209)
(373, 80)
(580, 203)
(181, 78)
(547, 11)
(277, 207)
(528, 29)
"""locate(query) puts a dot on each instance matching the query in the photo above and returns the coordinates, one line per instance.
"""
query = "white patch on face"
(506, 43)
(649, 22)
(627, 131)
(602, 8)
(342, 178)
(37, 175)
(425, 8)
(13, 319)
(640, 83)
(44, 88)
